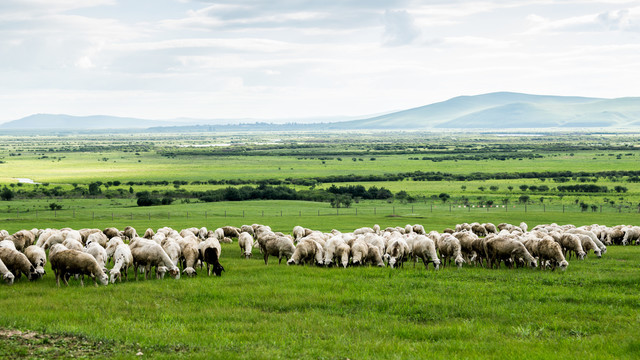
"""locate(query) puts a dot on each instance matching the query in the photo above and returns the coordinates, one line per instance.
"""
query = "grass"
(257, 311)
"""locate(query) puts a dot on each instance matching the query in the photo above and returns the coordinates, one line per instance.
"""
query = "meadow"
(303, 312)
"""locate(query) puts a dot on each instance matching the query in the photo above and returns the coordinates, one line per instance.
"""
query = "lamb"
(7, 276)
(37, 257)
(99, 253)
(449, 247)
(18, 264)
(23, 239)
(306, 251)
(279, 246)
(551, 251)
(122, 261)
(149, 253)
(571, 243)
(209, 252)
(245, 240)
(425, 249)
(503, 248)
(69, 262)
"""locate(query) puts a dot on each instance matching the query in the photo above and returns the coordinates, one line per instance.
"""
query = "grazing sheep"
(479, 230)
(73, 244)
(130, 233)
(571, 244)
(55, 238)
(23, 239)
(274, 245)
(592, 235)
(396, 252)
(86, 232)
(247, 229)
(7, 276)
(112, 245)
(122, 261)
(245, 240)
(111, 232)
(359, 251)
(614, 235)
(478, 248)
(37, 257)
(172, 248)
(449, 247)
(336, 247)
(209, 252)
(56, 248)
(148, 254)
(307, 251)
(98, 252)
(551, 251)
(466, 239)
(189, 255)
(588, 244)
(491, 229)
(231, 231)
(72, 262)
(298, 233)
(18, 264)
(631, 235)
(100, 238)
(8, 244)
(503, 248)
(44, 236)
(149, 233)
(425, 249)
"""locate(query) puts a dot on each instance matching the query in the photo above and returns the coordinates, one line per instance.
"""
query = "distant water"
(26, 181)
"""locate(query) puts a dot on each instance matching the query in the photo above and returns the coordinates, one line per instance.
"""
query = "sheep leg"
(266, 258)
(57, 278)
(82, 280)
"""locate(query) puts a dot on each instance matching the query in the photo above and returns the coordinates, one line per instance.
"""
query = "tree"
(94, 188)
(463, 187)
(55, 206)
(524, 187)
(494, 188)
(444, 197)
(482, 188)
(510, 188)
(6, 194)
(523, 199)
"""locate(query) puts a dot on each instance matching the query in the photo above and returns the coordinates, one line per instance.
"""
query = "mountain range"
(502, 110)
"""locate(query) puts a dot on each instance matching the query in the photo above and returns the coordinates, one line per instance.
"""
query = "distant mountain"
(68, 122)
(501, 110)
(508, 110)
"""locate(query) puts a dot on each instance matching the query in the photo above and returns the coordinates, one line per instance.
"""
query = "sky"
(288, 59)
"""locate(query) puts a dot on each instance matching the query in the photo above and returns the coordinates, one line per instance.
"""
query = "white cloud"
(400, 29)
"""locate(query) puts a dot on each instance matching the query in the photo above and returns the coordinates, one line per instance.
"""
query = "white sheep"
(449, 247)
(37, 257)
(425, 249)
(148, 254)
(122, 261)
(100, 238)
(98, 252)
(245, 240)
(280, 246)
(396, 252)
(307, 251)
(112, 245)
(508, 250)
(7, 276)
(72, 262)
(8, 244)
(209, 252)
(73, 244)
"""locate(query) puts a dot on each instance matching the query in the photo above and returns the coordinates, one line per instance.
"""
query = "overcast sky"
(305, 58)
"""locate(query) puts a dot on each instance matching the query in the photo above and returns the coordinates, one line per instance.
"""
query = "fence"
(408, 210)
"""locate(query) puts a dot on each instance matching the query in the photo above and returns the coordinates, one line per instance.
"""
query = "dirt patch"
(16, 344)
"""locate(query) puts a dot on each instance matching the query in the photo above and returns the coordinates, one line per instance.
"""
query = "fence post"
(225, 213)
(337, 211)
(131, 215)
(149, 214)
(93, 215)
(601, 208)
(299, 213)
(318, 212)
(563, 208)
(431, 207)
(242, 213)
(17, 213)
(262, 213)
(525, 207)
(205, 214)
(74, 213)
(356, 211)
(55, 213)
(187, 215)
(374, 211)
(112, 216)
(449, 207)
(36, 214)
(544, 208)
(280, 213)
(394, 210)
(412, 209)
(168, 215)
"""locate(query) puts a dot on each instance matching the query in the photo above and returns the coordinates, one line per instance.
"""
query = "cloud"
(399, 28)
(612, 20)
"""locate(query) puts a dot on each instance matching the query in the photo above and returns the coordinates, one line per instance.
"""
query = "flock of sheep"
(88, 251)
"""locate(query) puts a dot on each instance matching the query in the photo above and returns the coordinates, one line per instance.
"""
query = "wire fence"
(407, 210)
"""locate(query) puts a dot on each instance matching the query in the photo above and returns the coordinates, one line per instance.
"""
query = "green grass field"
(277, 311)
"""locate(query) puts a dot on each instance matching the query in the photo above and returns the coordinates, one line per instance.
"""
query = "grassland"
(257, 311)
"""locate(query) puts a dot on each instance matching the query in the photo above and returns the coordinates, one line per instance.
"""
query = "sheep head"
(115, 276)
(218, 269)
(459, 261)
(581, 255)
(291, 262)
(8, 278)
(597, 253)
(174, 272)
(436, 263)
(190, 271)
(103, 279)
(563, 265)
